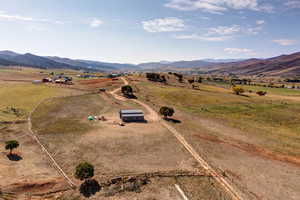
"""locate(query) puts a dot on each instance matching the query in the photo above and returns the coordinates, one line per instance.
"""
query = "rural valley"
(150, 100)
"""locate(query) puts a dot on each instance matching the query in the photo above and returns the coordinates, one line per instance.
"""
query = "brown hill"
(284, 65)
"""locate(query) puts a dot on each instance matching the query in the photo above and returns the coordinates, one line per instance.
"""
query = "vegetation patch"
(276, 122)
(18, 100)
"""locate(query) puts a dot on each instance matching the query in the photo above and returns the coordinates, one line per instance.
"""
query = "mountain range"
(284, 65)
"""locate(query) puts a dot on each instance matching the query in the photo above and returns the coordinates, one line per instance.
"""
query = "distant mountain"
(5, 62)
(177, 64)
(223, 60)
(8, 53)
(284, 65)
(41, 62)
(83, 64)
(115, 66)
(8, 58)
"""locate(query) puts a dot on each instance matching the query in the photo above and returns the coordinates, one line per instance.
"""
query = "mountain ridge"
(279, 65)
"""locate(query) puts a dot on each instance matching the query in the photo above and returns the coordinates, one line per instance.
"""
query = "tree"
(200, 79)
(127, 90)
(10, 145)
(166, 111)
(238, 90)
(84, 171)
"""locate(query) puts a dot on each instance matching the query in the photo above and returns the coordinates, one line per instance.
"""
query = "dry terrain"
(135, 161)
(252, 140)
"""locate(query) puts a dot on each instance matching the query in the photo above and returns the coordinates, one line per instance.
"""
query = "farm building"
(132, 115)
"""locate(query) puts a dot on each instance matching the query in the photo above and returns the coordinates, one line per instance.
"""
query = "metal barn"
(132, 115)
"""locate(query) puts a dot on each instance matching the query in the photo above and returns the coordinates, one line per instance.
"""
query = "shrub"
(238, 90)
(166, 111)
(84, 171)
(127, 90)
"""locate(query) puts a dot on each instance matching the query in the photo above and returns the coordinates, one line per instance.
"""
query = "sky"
(137, 31)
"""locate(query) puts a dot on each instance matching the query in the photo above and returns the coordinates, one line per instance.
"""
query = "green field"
(271, 120)
(19, 99)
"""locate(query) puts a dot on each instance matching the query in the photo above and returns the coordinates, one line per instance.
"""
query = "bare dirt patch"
(34, 167)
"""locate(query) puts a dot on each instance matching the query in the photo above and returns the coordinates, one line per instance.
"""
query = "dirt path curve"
(151, 115)
(222, 181)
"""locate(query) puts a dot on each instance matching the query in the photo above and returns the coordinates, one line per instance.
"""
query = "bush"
(127, 90)
(238, 90)
(166, 111)
(84, 171)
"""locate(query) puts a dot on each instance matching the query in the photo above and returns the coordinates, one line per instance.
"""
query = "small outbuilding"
(132, 115)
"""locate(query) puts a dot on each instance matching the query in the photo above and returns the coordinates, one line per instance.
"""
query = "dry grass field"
(136, 148)
(253, 139)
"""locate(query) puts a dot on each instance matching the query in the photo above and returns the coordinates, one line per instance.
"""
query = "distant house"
(60, 81)
(47, 80)
(37, 82)
(132, 115)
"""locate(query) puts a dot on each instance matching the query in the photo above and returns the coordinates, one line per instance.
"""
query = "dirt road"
(154, 116)
(151, 115)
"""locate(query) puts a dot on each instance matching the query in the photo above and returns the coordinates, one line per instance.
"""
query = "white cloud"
(217, 6)
(35, 28)
(240, 51)
(254, 30)
(203, 38)
(260, 22)
(293, 4)
(224, 30)
(285, 42)
(5, 16)
(94, 23)
(169, 24)
(221, 33)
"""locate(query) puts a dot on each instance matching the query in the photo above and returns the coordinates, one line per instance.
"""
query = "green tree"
(166, 111)
(84, 171)
(127, 90)
(10, 145)
(238, 90)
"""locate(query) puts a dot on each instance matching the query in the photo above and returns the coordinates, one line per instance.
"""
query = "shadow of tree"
(130, 96)
(175, 121)
(14, 157)
(89, 187)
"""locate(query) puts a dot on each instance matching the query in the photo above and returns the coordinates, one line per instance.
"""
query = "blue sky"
(135, 31)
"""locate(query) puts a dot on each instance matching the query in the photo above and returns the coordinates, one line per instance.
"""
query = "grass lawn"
(274, 121)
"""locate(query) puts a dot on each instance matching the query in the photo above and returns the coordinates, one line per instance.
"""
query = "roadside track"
(220, 179)
(34, 137)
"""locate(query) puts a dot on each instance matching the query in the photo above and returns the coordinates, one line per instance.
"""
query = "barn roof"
(131, 112)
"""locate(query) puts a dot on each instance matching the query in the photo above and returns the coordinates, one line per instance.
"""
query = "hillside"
(284, 65)
(177, 64)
